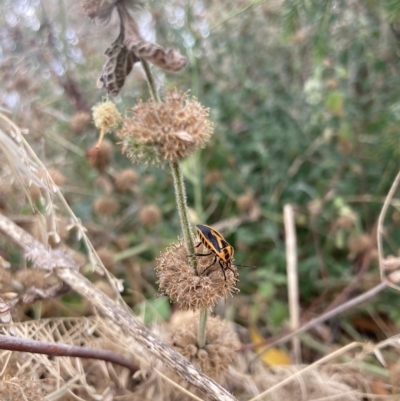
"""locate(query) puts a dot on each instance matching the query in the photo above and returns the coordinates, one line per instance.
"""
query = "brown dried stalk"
(55, 349)
(67, 271)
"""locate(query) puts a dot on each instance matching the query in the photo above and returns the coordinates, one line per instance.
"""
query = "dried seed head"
(106, 206)
(245, 202)
(100, 158)
(150, 215)
(107, 257)
(57, 176)
(219, 351)
(358, 243)
(167, 131)
(106, 115)
(122, 242)
(79, 121)
(181, 284)
(125, 180)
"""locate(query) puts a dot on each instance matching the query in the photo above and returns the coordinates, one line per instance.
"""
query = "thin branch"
(293, 282)
(67, 271)
(318, 320)
(54, 349)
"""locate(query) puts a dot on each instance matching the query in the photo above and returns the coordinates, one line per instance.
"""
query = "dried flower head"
(106, 117)
(358, 243)
(99, 158)
(106, 206)
(79, 121)
(219, 351)
(125, 180)
(181, 283)
(245, 202)
(150, 215)
(166, 131)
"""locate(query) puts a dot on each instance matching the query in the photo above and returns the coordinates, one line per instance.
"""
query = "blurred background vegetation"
(305, 100)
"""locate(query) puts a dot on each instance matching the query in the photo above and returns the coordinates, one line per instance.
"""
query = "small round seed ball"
(179, 281)
(100, 158)
(125, 180)
(358, 243)
(245, 202)
(80, 121)
(150, 215)
(106, 206)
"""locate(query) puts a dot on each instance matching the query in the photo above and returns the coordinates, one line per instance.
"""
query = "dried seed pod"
(166, 131)
(358, 243)
(219, 351)
(150, 215)
(100, 158)
(181, 283)
(106, 206)
(80, 121)
(125, 179)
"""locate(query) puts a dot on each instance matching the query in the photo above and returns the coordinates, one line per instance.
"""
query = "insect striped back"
(216, 243)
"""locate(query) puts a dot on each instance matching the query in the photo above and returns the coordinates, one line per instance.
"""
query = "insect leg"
(202, 254)
(223, 269)
(213, 263)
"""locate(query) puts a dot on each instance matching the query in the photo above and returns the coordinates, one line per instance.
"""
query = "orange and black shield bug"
(216, 243)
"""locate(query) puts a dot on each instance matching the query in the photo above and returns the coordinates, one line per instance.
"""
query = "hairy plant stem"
(180, 195)
(150, 80)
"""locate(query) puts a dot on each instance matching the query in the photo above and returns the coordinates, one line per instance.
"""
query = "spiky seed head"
(106, 115)
(358, 243)
(181, 284)
(166, 131)
(100, 158)
(219, 351)
(80, 121)
(150, 215)
(125, 179)
(122, 242)
(245, 202)
(106, 206)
